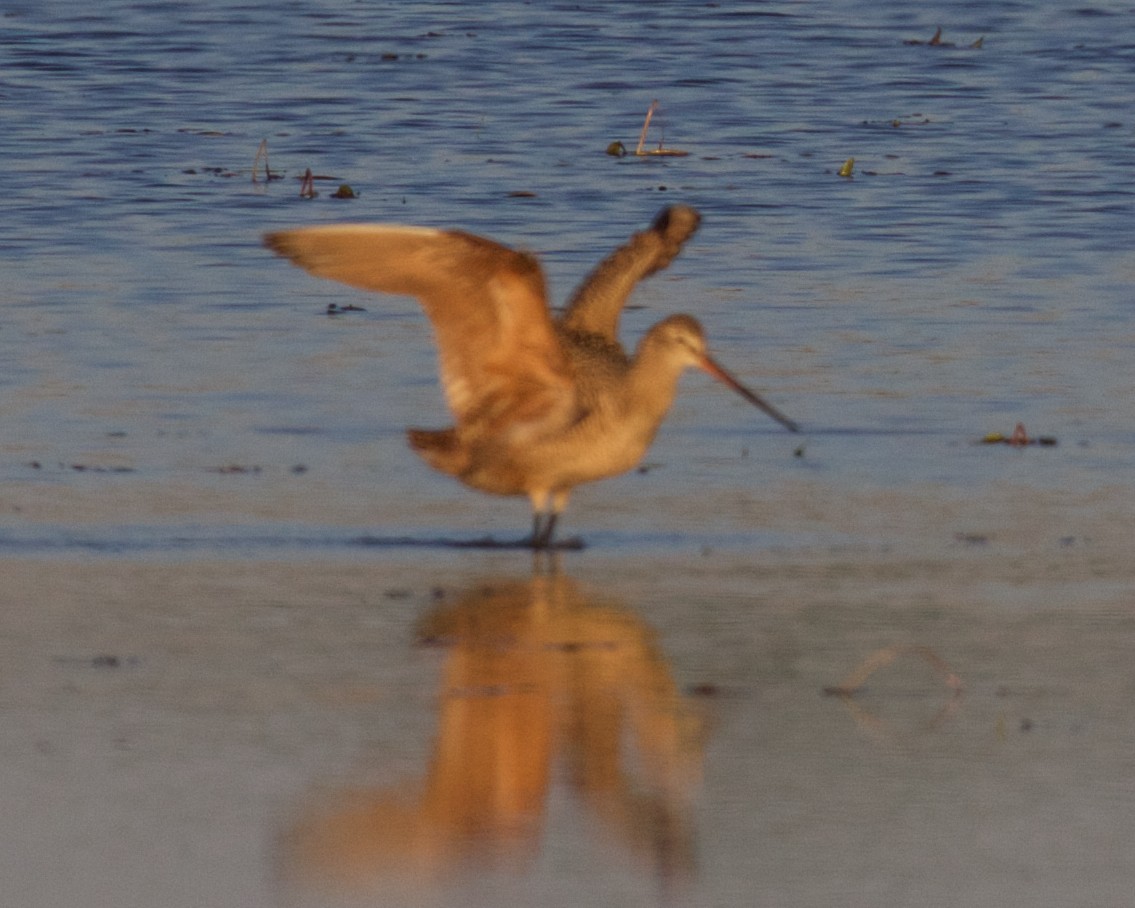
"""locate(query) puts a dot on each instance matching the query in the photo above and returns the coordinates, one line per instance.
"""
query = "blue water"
(974, 271)
(171, 391)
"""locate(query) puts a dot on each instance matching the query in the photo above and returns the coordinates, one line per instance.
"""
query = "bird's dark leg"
(543, 526)
(549, 529)
(546, 510)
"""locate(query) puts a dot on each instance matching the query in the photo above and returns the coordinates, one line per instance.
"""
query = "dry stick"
(661, 150)
(262, 152)
(645, 126)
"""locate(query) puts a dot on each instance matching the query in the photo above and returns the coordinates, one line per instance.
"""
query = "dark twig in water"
(937, 41)
(307, 186)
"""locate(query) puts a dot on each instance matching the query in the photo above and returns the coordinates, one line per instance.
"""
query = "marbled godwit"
(541, 404)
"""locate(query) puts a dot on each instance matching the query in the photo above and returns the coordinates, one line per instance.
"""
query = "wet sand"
(208, 728)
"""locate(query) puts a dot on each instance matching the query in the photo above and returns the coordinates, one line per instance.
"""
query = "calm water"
(172, 392)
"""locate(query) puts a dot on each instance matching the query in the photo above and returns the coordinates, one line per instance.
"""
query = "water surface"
(205, 646)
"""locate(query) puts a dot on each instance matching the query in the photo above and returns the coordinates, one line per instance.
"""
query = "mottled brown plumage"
(540, 405)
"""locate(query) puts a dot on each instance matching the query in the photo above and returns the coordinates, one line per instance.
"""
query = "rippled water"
(973, 273)
(173, 392)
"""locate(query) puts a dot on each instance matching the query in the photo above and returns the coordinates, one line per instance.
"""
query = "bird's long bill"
(712, 368)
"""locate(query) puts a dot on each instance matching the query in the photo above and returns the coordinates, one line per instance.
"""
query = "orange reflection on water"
(540, 683)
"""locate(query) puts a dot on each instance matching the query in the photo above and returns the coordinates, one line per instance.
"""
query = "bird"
(542, 402)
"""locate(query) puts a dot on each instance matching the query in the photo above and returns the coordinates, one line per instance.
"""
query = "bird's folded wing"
(500, 359)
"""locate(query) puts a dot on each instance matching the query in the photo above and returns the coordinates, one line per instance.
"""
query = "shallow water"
(205, 477)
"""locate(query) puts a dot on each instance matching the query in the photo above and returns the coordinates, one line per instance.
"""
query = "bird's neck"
(653, 380)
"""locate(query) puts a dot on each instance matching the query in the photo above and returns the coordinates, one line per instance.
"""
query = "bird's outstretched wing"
(502, 366)
(598, 302)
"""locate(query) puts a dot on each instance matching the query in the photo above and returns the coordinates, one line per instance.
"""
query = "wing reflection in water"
(541, 683)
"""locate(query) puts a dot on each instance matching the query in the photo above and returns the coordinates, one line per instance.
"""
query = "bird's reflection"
(541, 683)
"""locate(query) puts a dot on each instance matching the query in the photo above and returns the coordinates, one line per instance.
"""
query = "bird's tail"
(441, 449)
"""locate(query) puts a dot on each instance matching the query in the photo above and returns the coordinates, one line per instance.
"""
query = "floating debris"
(847, 168)
(973, 539)
(1019, 438)
(914, 119)
(100, 661)
(616, 149)
(214, 172)
(307, 185)
(642, 152)
(81, 467)
(335, 309)
(262, 154)
(937, 41)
